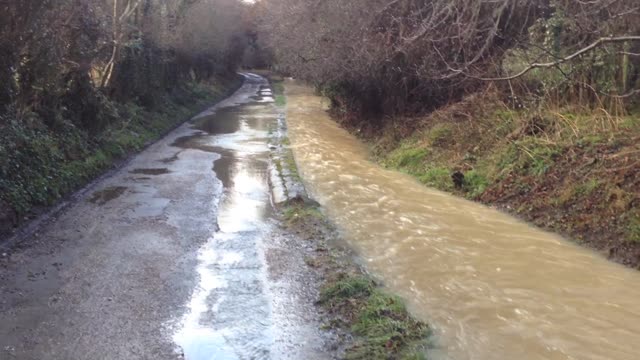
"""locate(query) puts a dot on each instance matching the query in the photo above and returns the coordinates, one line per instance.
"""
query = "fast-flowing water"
(491, 286)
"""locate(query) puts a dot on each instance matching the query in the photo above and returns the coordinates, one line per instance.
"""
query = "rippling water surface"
(491, 286)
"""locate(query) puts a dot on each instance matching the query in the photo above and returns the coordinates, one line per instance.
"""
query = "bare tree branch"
(584, 50)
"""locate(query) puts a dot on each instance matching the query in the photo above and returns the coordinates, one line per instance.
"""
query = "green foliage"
(290, 162)
(335, 90)
(573, 192)
(587, 187)
(39, 165)
(385, 327)
(297, 213)
(590, 140)
(506, 122)
(631, 122)
(633, 229)
(409, 156)
(438, 177)
(278, 91)
(381, 321)
(28, 159)
(475, 183)
(441, 135)
(347, 288)
(528, 156)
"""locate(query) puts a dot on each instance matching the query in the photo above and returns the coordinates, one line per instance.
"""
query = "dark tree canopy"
(413, 55)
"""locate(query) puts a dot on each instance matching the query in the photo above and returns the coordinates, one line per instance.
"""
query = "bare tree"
(414, 55)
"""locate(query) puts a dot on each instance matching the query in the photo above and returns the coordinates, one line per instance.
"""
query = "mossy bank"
(42, 162)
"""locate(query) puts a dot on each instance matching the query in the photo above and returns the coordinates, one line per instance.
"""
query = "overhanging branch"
(584, 50)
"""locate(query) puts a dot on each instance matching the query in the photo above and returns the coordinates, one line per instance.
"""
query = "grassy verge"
(39, 164)
(278, 90)
(376, 324)
(568, 170)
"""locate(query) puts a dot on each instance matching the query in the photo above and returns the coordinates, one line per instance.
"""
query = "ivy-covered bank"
(41, 163)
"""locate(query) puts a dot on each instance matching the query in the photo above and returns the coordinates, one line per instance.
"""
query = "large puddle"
(229, 315)
(492, 287)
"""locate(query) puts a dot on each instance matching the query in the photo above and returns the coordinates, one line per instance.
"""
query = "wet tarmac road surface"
(175, 256)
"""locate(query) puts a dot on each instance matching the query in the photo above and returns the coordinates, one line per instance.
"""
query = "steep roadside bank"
(364, 320)
(39, 166)
(570, 172)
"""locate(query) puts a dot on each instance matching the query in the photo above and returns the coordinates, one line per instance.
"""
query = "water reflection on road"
(229, 313)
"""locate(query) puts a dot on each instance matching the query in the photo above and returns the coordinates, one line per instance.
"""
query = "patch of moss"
(381, 326)
(409, 157)
(300, 212)
(475, 183)
(633, 229)
(437, 177)
(572, 192)
(293, 168)
(347, 288)
(529, 156)
(384, 328)
(278, 91)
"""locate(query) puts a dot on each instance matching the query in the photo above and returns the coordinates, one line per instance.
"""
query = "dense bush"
(84, 82)
(63, 56)
(408, 56)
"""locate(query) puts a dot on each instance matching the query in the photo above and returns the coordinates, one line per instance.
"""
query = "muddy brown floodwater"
(491, 286)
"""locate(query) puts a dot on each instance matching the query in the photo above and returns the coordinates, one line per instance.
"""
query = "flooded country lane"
(171, 257)
(492, 287)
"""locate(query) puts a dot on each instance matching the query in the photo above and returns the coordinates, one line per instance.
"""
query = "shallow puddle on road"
(228, 316)
(492, 287)
(157, 171)
(104, 196)
(224, 121)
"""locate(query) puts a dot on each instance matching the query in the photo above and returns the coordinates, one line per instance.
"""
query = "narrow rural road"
(167, 259)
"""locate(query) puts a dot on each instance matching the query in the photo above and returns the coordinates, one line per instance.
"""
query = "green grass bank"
(574, 171)
(372, 323)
